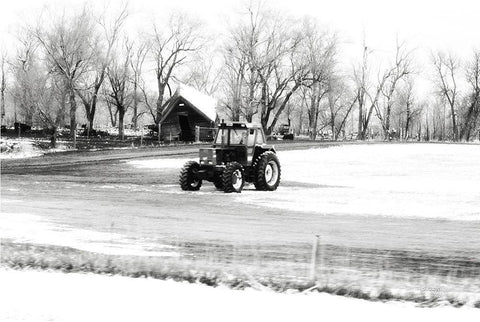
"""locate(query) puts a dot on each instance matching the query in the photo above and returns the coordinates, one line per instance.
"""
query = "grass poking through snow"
(70, 260)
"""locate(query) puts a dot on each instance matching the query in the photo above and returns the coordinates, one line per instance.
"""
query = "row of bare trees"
(268, 68)
(464, 110)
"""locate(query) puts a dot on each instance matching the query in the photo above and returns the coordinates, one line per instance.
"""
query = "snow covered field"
(401, 180)
(385, 200)
(47, 296)
(28, 228)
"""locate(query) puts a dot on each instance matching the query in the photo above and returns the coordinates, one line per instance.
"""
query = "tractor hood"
(219, 156)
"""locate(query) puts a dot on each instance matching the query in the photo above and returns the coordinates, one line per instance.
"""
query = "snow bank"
(25, 228)
(18, 148)
(47, 296)
(23, 148)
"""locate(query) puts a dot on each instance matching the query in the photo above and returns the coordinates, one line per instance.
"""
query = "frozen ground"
(46, 296)
(401, 180)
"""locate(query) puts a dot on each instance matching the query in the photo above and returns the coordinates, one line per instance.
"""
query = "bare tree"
(119, 78)
(26, 72)
(36, 89)
(67, 45)
(281, 70)
(407, 99)
(446, 67)
(409, 110)
(204, 75)
(171, 46)
(233, 83)
(50, 104)
(149, 98)
(264, 64)
(89, 84)
(320, 49)
(136, 63)
(241, 75)
(3, 85)
(340, 105)
(360, 77)
(400, 68)
(472, 111)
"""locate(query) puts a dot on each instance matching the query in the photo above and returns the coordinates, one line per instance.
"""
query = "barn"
(187, 110)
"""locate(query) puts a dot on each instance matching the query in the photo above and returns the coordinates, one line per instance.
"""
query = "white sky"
(427, 25)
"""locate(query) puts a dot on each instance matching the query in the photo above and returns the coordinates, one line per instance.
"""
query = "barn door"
(186, 133)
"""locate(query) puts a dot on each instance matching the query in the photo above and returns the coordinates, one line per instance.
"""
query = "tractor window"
(221, 136)
(238, 136)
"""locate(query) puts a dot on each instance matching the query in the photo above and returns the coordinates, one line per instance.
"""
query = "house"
(187, 110)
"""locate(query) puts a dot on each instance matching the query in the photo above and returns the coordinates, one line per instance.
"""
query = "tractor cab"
(238, 141)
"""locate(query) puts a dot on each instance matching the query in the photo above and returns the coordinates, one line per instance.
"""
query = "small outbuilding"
(189, 115)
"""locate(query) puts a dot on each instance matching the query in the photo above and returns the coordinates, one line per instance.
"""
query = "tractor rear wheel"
(187, 178)
(233, 177)
(267, 172)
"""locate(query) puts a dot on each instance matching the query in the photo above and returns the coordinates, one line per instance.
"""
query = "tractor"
(239, 154)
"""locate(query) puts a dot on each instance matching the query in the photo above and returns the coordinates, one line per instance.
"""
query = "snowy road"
(45, 296)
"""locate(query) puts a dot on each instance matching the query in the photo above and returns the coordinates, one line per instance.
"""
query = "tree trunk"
(135, 104)
(454, 122)
(366, 122)
(427, 130)
(113, 116)
(332, 127)
(91, 116)
(282, 107)
(360, 118)
(387, 122)
(121, 116)
(2, 96)
(73, 118)
(311, 119)
(407, 122)
(264, 107)
(161, 93)
(53, 138)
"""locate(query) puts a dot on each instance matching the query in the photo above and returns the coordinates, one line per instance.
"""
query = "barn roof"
(203, 103)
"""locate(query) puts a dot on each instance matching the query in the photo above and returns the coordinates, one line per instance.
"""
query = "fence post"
(314, 260)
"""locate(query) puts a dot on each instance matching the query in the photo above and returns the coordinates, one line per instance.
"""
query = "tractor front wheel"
(187, 178)
(233, 177)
